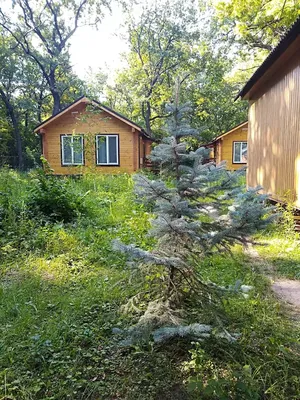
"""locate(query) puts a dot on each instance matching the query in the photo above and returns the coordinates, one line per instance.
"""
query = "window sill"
(72, 165)
(107, 165)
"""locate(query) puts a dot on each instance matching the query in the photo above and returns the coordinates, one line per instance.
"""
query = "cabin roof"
(84, 99)
(275, 54)
(228, 132)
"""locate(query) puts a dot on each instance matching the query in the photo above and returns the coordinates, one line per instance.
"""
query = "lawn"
(62, 288)
(282, 251)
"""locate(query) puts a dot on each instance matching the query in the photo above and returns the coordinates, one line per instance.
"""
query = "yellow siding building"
(87, 136)
(231, 147)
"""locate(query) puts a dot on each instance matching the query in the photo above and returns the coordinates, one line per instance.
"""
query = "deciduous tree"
(43, 29)
(256, 24)
(161, 45)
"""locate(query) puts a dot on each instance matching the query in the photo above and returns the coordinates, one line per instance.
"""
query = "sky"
(100, 48)
(103, 48)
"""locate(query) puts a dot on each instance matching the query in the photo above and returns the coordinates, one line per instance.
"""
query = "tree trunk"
(10, 112)
(39, 101)
(55, 93)
(56, 102)
(147, 116)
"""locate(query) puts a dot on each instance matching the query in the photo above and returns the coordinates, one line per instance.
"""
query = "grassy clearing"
(280, 246)
(60, 296)
(283, 253)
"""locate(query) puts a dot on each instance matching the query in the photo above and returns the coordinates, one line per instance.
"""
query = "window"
(240, 152)
(107, 149)
(72, 149)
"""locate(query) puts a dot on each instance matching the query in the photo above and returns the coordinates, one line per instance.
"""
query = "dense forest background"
(209, 47)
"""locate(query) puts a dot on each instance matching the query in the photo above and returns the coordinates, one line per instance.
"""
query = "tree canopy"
(36, 72)
(210, 48)
(256, 24)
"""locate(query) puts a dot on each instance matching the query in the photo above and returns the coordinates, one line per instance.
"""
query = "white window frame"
(241, 154)
(72, 149)
(107, 150)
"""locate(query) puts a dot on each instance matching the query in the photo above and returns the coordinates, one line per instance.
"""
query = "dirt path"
(287, 290)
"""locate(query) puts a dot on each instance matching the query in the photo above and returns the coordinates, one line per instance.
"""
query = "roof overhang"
(240, 126)
(41, 127)
(284, 51)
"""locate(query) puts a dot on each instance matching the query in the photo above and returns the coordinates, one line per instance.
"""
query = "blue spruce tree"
(200, 208)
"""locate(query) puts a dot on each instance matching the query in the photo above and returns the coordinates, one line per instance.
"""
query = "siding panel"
(274, 138)
(225, 148)
(78, 121)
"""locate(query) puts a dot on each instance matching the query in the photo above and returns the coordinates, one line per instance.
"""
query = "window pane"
(112, 149)
(67, 149)
(237, 152)
(244, 152)
(102, 156)
(77, 149)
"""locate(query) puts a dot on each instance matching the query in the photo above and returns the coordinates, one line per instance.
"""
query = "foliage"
(42, 31)
(193, 58)
(286, 224)
(96, 82)
(52, 197)
(258, 24)
(36, 75)
(202, 48)
(17, 104)
(12, 202)
(211, 96)
(161, 49)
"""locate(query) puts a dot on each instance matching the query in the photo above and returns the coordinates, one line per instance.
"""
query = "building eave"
(84, 99)
(275, 54)
(241, 125)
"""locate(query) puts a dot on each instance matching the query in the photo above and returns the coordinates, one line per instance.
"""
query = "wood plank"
(274, 139)
(238, 135)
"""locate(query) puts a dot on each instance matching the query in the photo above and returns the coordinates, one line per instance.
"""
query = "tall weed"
(54, 198)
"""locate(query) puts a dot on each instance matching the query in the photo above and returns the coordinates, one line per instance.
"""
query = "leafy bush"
(55, 199)
(286, 224)
(220, 380)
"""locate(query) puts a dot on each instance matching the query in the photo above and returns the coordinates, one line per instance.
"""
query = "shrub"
(55, 199)
(286, 224)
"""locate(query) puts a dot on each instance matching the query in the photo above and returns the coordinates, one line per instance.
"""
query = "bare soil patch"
(286, 290)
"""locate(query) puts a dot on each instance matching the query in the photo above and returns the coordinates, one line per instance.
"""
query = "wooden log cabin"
(273, 93)
(88, 136)
(231, 147)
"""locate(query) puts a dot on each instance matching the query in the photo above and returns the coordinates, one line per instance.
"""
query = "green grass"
(283, 254)
(60, 295)
(280, 246)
